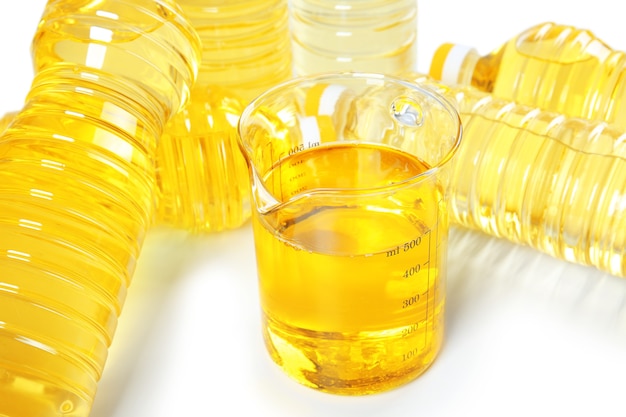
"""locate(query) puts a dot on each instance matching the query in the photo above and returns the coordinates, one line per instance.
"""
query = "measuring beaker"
(349, 178)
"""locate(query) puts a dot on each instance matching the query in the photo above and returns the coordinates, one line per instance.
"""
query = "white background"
(528, 335)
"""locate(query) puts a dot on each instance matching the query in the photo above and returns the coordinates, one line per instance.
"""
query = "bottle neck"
(485, 71)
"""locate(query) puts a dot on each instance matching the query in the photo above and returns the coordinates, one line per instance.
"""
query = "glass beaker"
(349, 179)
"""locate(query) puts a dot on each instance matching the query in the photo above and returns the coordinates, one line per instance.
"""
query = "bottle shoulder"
(557, 43)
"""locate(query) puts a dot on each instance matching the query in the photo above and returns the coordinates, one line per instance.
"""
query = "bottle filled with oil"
(77, 191)
(378, 36)
(350, 224)
(538, 178)
(202, 178)
(245, 43)
(6, 119)
(201, 175)
(554, 67)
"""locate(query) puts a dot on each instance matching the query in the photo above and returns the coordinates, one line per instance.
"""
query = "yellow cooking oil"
(552, 66)
(77, 191)
(202, 177)
(6, 119)
(245, 43)
(352, 294)
(539, 178)
(366, 35)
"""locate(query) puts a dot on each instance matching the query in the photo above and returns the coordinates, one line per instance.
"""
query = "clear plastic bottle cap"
(448, 62)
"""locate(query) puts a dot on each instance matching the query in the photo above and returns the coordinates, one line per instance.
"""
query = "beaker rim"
(455, 133)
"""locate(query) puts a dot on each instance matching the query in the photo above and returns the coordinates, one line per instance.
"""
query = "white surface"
(527, 335)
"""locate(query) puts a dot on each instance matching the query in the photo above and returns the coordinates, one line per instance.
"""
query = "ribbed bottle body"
(359, 35)
(6, 119)
(77, 193)
(554, 67)
(567, 70)
(555, 183)
(245, 43)
(148, 42)
(539, 178)
(75, 203)
(201, 175)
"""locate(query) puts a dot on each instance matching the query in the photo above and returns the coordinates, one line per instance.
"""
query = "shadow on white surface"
(483, 268)
(522, 327)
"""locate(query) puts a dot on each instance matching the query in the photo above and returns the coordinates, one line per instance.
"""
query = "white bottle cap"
(329, 99)
(310, 130)
(320, 118)
(448, 62)
(322, 99)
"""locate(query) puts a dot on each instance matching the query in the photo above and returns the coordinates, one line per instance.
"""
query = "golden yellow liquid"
(365, 35)
(538, 178)
(245, 43)
(75, 202)
(77, 192)
(5, 120)
(146, 42)
(558, 68)
(544, 180)
(352, 289)
(202, 177)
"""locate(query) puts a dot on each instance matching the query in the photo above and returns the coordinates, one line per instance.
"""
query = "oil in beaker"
(352, 294)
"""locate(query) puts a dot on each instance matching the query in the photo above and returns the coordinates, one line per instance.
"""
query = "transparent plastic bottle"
(6, 119)
(245, 43)
(202, 177)
(378, 36)
(539, 178)
(535, 177)
(554, 67)
(77, 191)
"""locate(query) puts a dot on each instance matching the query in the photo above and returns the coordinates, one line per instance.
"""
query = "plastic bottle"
(538, 178)
(376, 36)
(202, 177)
(554, 67)
(6, 119)
(535, 177)
(77, 191)
(245, 43)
